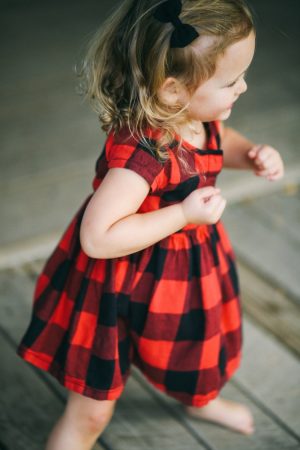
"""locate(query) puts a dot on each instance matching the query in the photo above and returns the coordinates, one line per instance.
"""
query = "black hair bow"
(184, 33)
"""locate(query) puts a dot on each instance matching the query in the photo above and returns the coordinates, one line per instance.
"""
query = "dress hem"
(73, 384)
(68, 381)
(185, 398)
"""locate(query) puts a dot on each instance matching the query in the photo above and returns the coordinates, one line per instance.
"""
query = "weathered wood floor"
(267, 381)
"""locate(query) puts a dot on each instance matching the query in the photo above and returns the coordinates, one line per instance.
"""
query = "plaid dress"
(172, 309)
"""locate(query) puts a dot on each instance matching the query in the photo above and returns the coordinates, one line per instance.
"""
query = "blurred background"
(50, 140)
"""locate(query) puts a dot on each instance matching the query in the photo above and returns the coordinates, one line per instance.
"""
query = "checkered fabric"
(172, 309)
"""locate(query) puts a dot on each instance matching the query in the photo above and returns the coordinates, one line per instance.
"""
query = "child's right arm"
(111, 227)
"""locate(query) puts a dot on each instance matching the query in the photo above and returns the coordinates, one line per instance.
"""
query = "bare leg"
(81, 424)
(235, 416)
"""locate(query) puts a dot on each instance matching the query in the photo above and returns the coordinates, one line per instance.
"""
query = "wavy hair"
(129, 57)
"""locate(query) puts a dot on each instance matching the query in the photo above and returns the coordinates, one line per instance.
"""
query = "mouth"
(232, 104)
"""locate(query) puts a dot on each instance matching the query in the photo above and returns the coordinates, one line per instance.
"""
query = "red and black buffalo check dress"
(172, 309)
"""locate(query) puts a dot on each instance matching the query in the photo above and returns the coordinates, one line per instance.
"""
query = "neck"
(192, 129)
(196, 127)
(196, 139)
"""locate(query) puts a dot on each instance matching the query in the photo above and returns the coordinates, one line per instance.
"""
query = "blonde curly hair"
(129, 57)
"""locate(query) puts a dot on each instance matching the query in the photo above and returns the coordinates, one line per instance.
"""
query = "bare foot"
(233, 415)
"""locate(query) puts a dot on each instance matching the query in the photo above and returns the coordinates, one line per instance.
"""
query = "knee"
(95, 421)
(90, 416)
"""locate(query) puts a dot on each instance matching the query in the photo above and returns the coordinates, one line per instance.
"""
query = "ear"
(172, 92)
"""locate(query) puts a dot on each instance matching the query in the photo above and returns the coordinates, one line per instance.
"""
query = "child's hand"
(203, 206)
(268, 162)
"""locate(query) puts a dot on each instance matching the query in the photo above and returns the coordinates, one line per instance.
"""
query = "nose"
(242, 86)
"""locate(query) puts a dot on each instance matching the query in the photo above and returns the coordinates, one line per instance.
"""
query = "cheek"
(215, 101)
(210, 105)
(201, 102)
(223, 96)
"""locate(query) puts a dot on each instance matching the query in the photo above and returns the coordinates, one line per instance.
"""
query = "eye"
(232, 84)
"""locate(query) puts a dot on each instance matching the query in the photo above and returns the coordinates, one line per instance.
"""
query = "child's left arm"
(240, 153)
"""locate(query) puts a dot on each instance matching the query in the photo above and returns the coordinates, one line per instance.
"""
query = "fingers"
(269, 171)
(275, 175)
(216, 201)
(254, 150)
(267, 162)
(217, 206)
(261, 154)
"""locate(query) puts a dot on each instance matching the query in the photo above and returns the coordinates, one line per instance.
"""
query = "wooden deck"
(50, 143)
(267, 381)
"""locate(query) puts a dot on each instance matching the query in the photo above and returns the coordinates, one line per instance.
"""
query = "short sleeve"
(136, 157)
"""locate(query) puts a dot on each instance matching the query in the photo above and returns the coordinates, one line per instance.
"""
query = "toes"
(250, 428)
(241, 421)
(249, 431)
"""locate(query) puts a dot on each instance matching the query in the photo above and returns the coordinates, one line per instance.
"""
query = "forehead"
(237, 58)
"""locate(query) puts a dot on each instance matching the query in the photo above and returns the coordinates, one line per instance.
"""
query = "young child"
(145, 273)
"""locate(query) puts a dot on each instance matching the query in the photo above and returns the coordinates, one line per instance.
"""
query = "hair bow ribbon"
(184, 33)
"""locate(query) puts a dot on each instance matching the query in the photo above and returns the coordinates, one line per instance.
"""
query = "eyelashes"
(232, 84)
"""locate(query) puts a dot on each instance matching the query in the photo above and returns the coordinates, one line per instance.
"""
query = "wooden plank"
(141, 422)
(134, 424)
(269, 435)
(271, 308)
(25, 202)
(29, 409)
(283, 211)
(250, 188)
(261, 245)
(259, 127)
(28, 250)
(25, 423)
(272, 374)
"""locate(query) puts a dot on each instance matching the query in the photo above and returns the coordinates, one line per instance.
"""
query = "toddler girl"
(145, 273)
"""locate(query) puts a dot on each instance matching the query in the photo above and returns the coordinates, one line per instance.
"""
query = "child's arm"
(240, 153)
(111, 228)
(236, 148)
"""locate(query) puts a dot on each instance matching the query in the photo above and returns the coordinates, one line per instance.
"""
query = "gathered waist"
(203, 230)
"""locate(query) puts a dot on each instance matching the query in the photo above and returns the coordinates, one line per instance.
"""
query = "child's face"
(214, 99)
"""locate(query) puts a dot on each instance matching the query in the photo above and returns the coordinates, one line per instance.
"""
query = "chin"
(224, 115)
